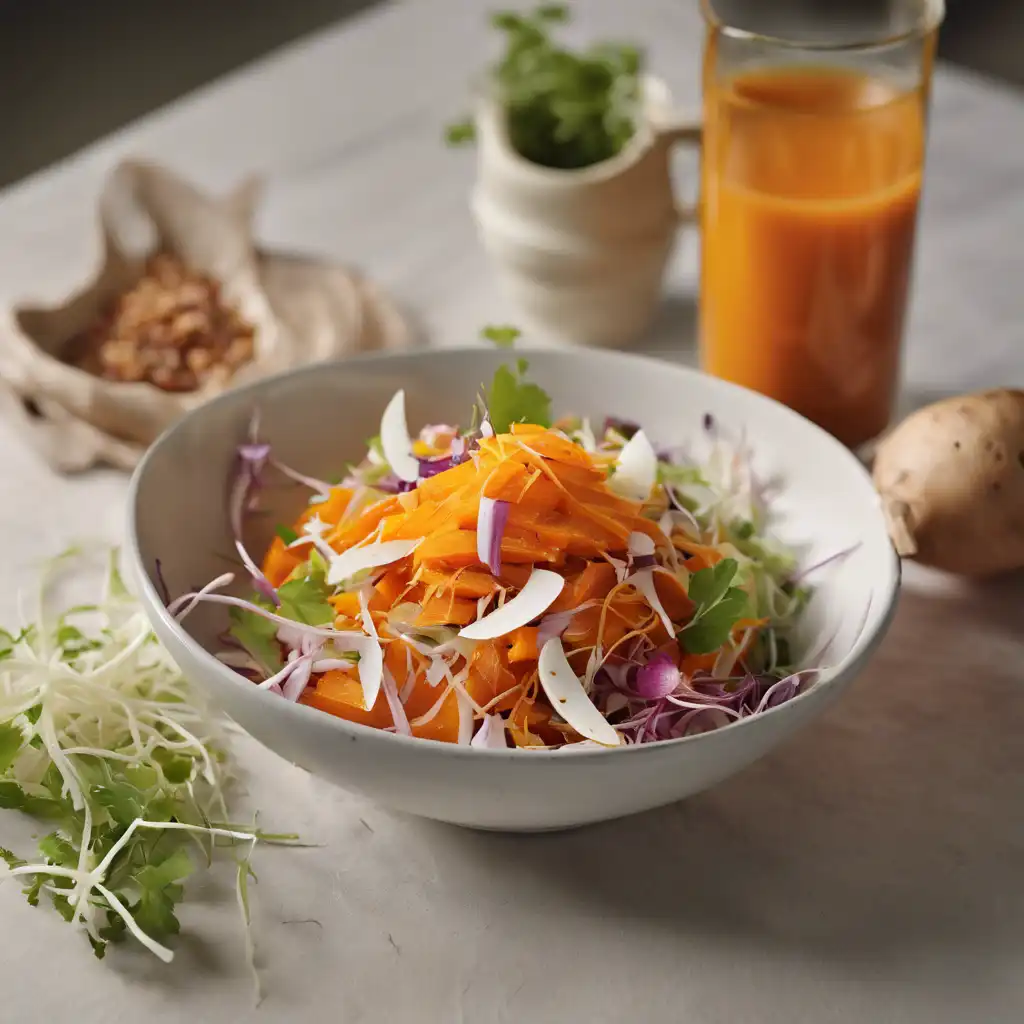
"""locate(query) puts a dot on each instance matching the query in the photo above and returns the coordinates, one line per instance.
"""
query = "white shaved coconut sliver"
(568, 697)
(370, 668)
(640, 544)
(436, 671)
(371, 678)
(465, 737)
(644, 582)
(369, 556)
(636, 470)
(619, 566)
(395, 440)
(491, 734)
(540, 592)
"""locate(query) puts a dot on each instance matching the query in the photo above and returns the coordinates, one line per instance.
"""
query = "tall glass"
(813, 152)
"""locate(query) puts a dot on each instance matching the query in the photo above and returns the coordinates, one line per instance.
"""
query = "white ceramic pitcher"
(582, 253)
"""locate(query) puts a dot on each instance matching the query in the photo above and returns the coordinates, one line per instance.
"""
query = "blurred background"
(74, 70)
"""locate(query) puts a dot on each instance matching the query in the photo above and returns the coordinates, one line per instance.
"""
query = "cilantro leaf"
(175, 867)
(123, 801)
(304, 595)
(58, 850)
(503, 337)
(11, 742)
(719, 606)
(712, 629)
(13, 797)
(177, 767)
(708, 586)
(154, 914)
(259, 638)
(305, 601)
(73, 642)
(8, 641)
(286, 533)
(115, 583)
(10, 859)
(511, 400)
(460, 132)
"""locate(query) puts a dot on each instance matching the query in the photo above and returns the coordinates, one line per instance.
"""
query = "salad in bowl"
(526, 578)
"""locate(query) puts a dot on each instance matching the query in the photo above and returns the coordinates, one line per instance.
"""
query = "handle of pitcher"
(683, 130)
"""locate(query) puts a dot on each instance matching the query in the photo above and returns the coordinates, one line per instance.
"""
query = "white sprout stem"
(83, 860)
(69, 776)
(225, 833)
(119, 659)
(122, 911)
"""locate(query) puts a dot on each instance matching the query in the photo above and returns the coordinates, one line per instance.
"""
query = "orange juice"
(810, 186)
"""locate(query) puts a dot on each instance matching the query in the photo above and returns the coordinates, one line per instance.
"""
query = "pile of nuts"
(171, 329)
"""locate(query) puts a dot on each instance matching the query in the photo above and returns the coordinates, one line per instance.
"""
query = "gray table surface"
(868, 872)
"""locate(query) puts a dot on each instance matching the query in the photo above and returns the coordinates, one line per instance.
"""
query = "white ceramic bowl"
(319, 417)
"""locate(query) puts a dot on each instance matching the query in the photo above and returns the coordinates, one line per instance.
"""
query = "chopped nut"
(171, 328)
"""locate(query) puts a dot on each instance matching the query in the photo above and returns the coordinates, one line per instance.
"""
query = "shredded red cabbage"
(838, 556)
(242, 499)
(491, 519)
(438, 464)
(161, 583)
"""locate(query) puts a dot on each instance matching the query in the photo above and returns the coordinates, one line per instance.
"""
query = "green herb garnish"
(719, 606)
(563, 109)
(510, 399)
(101, 737)
(503, 337)
(286, 533)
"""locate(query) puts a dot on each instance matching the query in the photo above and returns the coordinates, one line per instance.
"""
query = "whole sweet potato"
(951, 477)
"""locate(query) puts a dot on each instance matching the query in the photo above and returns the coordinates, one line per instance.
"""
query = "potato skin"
(953, 473)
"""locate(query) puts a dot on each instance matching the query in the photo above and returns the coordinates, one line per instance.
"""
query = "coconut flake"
(585, 436)
(619, 566)
(491, 734)
(644, 583)
(636, 470)
(369, 556)
(640, 544)
(395, 440)
(436, 671)
(567, 696)
(557, 623)
(398, 715)
(314, 529)
(540, 592)
(465, 708)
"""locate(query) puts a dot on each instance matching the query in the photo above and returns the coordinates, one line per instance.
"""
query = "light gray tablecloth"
(868, 873)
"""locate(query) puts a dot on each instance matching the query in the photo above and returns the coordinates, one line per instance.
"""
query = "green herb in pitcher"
(563, 109)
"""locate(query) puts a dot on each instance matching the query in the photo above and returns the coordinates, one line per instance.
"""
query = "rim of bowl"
(863, 647)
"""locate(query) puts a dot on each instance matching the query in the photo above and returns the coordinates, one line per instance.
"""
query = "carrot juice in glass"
(811, 166)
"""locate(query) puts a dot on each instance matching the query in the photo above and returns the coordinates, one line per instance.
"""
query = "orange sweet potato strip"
(343, 537)
(279, 562)
(436, 488)
(466, 583)
(455, 548)
(674, 598)
(522, 644)
(489, 674)
(444, 608)
(339, 693)
(505, 482)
